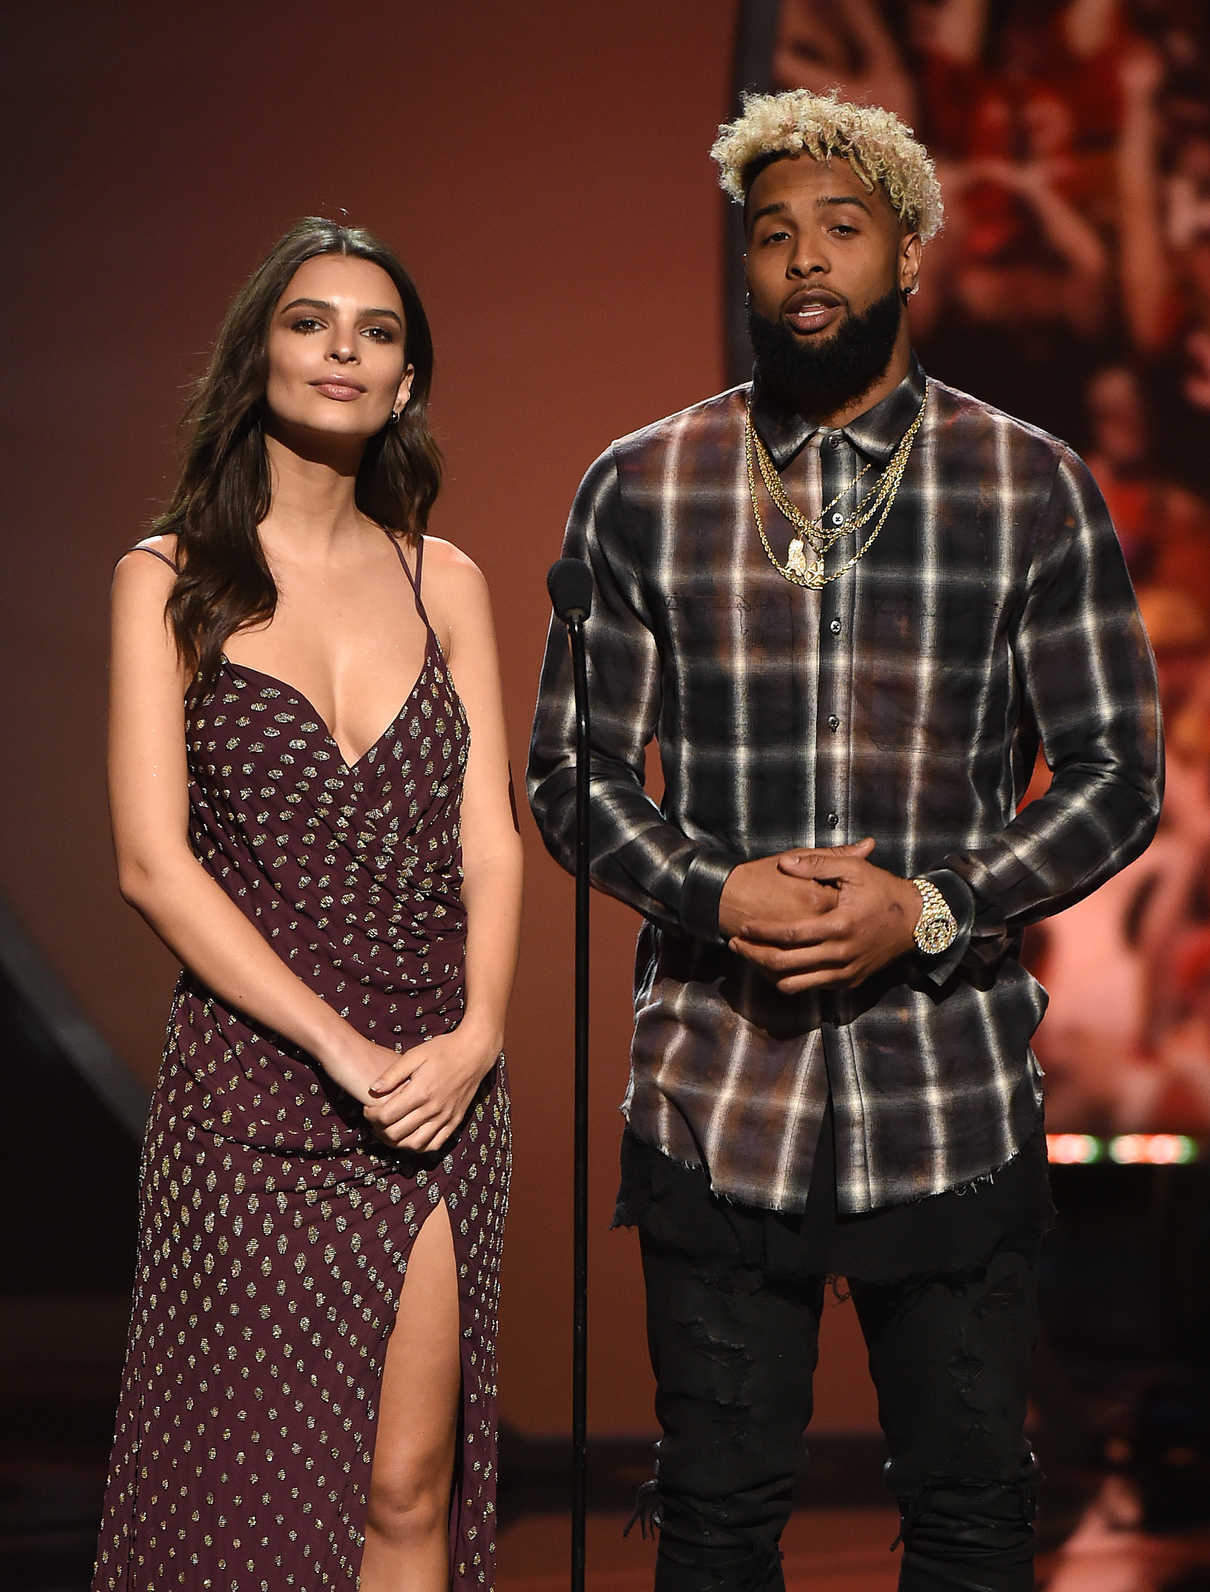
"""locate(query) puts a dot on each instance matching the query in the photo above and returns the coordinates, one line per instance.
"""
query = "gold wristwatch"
(937, 926)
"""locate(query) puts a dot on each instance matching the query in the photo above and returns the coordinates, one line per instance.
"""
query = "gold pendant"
(796, 560)
(814, 574)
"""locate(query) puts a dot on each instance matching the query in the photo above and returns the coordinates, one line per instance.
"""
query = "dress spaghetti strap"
(413, 580)
(163, 557)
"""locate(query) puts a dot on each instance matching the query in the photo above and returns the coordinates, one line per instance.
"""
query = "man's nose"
(806, 258)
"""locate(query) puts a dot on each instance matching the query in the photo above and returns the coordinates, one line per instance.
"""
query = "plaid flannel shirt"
(906, 701)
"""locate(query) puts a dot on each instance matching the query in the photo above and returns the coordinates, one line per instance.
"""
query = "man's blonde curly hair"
(878, 146)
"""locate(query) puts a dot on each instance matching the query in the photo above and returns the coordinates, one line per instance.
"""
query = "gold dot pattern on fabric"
(274, 1229)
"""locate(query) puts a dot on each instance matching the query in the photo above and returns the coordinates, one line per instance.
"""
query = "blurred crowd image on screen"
(1071, 286)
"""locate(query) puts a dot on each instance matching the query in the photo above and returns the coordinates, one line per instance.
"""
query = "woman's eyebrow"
(323, 304)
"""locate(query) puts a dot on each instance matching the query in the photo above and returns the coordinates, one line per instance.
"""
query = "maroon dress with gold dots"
(274, 1229)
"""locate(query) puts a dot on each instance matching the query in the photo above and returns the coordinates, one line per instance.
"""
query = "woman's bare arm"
(491, 841)
(444, 1073)
(158, 873)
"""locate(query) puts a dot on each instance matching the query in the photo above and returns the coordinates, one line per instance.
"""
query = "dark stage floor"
(58, 1383)
(47, 1530)
(1122, 1389)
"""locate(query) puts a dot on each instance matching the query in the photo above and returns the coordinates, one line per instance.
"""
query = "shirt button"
(835, 627)
(834, 441)
(838, 519)
(833, 722)
(833, 820)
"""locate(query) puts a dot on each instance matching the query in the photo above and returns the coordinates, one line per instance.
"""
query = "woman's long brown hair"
(223, 582)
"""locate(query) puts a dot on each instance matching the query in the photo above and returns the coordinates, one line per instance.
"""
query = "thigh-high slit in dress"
(275, 1229)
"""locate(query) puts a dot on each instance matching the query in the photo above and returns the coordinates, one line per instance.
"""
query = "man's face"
(820, 247)
(827, 262)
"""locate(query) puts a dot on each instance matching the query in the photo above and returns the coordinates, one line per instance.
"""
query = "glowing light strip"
(1126, 1149)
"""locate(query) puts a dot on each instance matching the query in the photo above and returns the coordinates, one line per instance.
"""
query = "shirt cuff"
(702, 891)
(960, 899)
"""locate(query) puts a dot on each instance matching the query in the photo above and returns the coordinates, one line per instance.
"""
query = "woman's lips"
(339, 390)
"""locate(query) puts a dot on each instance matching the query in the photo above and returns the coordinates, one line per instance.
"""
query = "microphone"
(569, 582)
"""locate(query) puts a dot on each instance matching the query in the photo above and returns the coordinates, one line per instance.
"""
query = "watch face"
(936, 927)
(936, 934)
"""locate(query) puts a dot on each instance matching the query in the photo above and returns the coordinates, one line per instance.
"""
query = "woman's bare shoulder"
(142, 583)
(451, 578)
(447, 562)
(162, 551)
(455, 593)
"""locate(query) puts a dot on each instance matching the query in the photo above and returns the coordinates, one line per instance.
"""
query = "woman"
(309, 1395)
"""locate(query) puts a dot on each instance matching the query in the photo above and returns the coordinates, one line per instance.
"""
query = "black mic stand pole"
(579, 1358)
(569, 582)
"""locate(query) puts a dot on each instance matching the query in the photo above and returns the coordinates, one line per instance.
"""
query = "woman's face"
(336, 349)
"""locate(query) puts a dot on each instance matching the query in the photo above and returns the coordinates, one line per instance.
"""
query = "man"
(849, 602)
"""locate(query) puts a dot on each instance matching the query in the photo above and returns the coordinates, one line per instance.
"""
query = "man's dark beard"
(820, 376)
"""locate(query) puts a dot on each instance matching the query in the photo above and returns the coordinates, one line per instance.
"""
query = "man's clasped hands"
(819, 917)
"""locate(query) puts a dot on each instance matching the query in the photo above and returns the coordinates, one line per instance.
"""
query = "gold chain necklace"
(877, 501)
(811, 530)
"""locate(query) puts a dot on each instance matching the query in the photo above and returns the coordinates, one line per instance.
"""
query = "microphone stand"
(579, 1375)
(569, 582)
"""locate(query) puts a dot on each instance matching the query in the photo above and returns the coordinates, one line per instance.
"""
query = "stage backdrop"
(543, 172)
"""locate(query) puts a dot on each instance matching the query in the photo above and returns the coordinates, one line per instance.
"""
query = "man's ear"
(911, 252)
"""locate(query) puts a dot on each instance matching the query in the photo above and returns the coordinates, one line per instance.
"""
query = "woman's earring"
(395, 414)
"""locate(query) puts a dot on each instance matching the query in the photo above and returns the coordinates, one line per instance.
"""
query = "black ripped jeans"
(733, 1331)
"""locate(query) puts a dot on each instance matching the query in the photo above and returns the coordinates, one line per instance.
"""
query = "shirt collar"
(876, 433)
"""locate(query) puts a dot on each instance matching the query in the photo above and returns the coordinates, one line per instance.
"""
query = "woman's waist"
(394, 1000)
(228, 1075)
(396, 879)
(336, 920)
